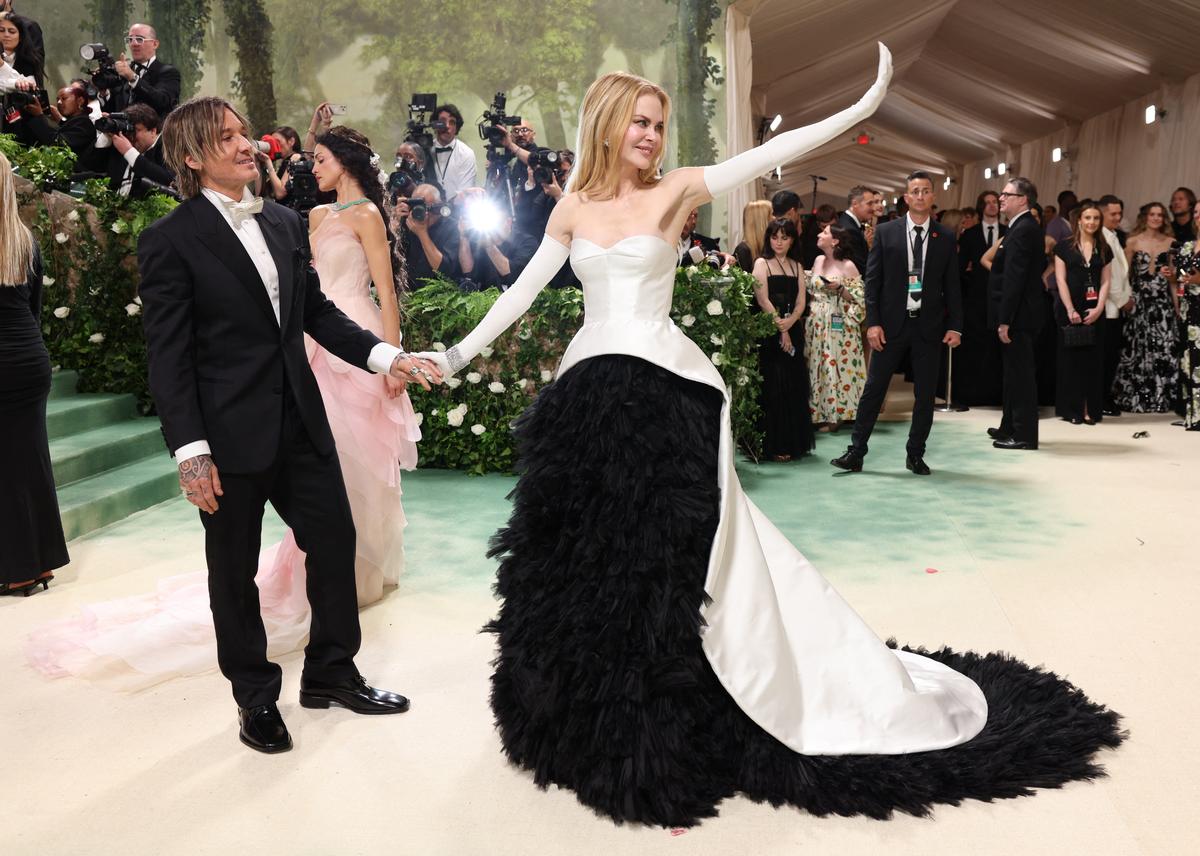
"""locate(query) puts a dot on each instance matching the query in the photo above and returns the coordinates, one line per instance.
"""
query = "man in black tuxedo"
(693, 246)
(914, 305)
(227, 298)
(977, 372)
(147, 80)
(856, 219)
(138, 154)
(1018, 309)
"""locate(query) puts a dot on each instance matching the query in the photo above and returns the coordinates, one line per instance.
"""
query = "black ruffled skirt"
(601, 684)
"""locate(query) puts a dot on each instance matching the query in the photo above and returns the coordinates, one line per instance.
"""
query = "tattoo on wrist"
(195, 469)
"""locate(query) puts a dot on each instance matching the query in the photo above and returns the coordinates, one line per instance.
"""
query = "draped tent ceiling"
(974, 80)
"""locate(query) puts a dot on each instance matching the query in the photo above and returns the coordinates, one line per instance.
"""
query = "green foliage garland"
(466, 422)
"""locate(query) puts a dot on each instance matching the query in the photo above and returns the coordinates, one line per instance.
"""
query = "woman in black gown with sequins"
(31, 534)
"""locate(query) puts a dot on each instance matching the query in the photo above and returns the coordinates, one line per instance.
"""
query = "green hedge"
(465, 423)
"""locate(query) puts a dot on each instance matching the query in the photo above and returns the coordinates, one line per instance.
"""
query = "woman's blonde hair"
(16, 241)
(756, 216)
(193, 129)
(607, 110)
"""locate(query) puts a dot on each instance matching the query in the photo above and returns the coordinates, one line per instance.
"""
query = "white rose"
(118, 226)
(474, 377)
(524, 333)
(47, 280)
(438, 346)
(714, 307)
(546, 376)
(132, 309)
(495, 386)
(73, 217)
(96, 338)
(477, 429)
(455, 418)
(62, 312)
(418, 418)
(453, 382)
(716, 340)
(690, 273)
(462, 409)
(434, 412)
(61, 237)
(717, 358)
(486, 352)
(523, 382)
(687, 320)
(743, 377)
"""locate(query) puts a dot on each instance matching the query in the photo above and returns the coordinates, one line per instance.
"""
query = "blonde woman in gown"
(661, 645)
(139, 641)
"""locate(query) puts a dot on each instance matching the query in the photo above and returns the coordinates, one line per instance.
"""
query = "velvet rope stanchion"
(950, 406)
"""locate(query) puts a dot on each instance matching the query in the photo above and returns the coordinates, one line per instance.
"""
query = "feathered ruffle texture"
(600, 683)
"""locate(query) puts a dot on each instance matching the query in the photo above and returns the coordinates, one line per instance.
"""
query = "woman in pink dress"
(145, 639)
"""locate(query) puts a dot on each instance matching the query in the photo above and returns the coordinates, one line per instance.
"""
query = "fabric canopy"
(976, 84)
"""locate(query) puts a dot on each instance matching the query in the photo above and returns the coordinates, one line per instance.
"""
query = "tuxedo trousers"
(1113, 341)
(1020, 418)
(306, 489)
(926, 357)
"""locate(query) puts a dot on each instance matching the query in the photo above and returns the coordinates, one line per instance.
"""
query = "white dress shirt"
(909, 237)
(250, 235)
(995, 227)
(1119, 290)
(10, 77)
(455, 169)
(855, 219)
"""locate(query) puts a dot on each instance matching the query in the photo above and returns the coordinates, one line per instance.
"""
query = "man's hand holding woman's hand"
(410, 367)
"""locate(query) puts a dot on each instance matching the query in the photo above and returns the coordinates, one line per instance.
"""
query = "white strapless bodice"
(789, 650)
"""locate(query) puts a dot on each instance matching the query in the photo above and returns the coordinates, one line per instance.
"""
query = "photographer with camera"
(141, 79)
(491, 253)
(452, 160)
(136, 154)
(546, 176)
(428, 236)
(72, 128)
(21, 72)
(283, 146)
(408, 174)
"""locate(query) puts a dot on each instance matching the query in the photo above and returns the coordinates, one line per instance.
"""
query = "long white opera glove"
(724, 177)
(510, 306)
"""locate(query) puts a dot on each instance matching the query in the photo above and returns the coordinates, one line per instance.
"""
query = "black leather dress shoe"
(262, 728)
(917, 466)
(1010, 443)
(850, 461)
(1075, 420)
(1111, 411)
(353, 695)
(997, 434)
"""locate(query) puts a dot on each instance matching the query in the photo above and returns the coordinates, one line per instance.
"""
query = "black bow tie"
(441, 149)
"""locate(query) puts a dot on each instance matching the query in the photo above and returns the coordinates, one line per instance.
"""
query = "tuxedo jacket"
(149, 165)
(1015, 283)
(77, 133)
(858, 252)
(972, 244)
(158, 88)
(709, 245)
(887, 281)
(218, 358)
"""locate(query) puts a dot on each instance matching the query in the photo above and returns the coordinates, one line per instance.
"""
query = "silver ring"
(414, 371)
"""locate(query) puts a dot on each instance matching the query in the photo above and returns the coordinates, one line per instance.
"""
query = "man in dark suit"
(1018, 309)
(856, 219)
(914, 305)
(977, 372)
(137, 154)
(147, 79)
(693, 246)
(227, 298)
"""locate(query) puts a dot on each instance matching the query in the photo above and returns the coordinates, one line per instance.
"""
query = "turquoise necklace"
(342, 206)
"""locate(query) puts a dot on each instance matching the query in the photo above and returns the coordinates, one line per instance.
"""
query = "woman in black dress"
(1082, 270)
(787, 423)
(31, 533)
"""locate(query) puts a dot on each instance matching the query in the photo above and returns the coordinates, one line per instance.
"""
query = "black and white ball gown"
(663, 646)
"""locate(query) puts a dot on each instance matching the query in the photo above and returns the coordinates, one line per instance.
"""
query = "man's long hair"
(193, 129)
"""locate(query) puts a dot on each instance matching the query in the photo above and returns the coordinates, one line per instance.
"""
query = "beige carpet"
(1081, 556)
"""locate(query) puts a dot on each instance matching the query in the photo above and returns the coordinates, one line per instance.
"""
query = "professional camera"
(302, 186)
(419, 209)
(24, 97)
(404, 180)
(546, 165)
(420, 128)
(114, 123)
(493, 118)
(104, 75)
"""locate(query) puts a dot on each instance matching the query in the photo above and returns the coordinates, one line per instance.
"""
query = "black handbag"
(1079, 335)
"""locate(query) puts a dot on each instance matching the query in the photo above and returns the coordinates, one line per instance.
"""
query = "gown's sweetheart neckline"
(658, 238)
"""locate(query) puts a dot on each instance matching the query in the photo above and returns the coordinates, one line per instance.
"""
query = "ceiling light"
(776, 122)
(987, 172)
(1002, 168)
(1151, 114)
(946, 183)
(1056, 154)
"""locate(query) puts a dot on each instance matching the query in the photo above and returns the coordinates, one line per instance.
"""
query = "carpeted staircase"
(108, 461)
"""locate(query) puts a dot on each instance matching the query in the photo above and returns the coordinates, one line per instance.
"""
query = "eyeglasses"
(137, 40)
(1004, 194)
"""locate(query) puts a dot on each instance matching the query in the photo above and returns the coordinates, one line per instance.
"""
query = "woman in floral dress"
(837, 366)
(1188, 273)
(1148, 374)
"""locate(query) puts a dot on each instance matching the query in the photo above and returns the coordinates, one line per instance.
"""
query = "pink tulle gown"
(139, 641)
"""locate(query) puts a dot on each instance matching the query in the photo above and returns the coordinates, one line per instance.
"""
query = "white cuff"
(131, 155)
(381, 358)
(192, 450)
